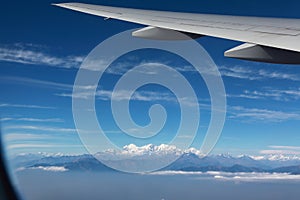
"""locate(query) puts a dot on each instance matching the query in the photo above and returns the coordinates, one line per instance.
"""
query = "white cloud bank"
(251, 177)
(51, 168)
(236, 177)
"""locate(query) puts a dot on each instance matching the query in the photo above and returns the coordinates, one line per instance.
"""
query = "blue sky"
(42, 47)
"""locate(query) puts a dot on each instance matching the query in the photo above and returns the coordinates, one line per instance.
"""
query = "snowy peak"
(190, 159)
(149, 149)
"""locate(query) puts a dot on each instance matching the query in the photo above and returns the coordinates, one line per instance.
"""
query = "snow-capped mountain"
(139, 157)
(132, 151)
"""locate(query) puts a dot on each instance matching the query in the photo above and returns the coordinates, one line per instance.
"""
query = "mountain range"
(189, 160)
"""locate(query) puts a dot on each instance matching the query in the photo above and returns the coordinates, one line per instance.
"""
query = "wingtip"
(58, 4)
(54, 4)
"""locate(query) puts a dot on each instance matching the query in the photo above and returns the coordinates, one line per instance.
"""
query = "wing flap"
(259, 53)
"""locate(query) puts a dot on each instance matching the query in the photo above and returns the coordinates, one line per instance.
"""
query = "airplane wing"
(274, 40)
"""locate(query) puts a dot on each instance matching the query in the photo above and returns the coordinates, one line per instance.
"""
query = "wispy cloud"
(41, 145)
(35, 82)
(286, 147)
(32, 119)
(37, 55)
(41, 128)
(137, 96)
(33, 55)
(9, 105)
(281, 150)
(21, 146)
(238, 72)
(248, 73)
(268, 93)
(146, 96)
(42, 83)
(277, 75)
(237, 112)
(264, 115)
(122, 67)
(24, 136)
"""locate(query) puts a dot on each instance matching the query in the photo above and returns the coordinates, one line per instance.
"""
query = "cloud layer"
(51, 168)
(236, 177)
(25, 54)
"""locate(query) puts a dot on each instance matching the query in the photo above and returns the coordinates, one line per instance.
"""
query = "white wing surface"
(274, 40)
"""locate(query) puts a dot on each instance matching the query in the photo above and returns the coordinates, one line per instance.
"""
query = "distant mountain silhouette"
(186, 162)
(74, 163)
(290, 169)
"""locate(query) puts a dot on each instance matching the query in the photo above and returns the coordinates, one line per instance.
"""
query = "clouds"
(254, 74)
(31, 55)
(280, 152)
(248, 73)
(286, 147)
(10, 105)
(283, 152)
(142, 95)
(51, 168)
(21, 137)
(24, 119)
(36, 82)
(234, 112)
(236, 177)
(53, 147)
(252, 92)
(263, 115)
(121, 95)
(237, 72)
(254, 177)
(29, 145)
(41, 128)
(24, 137)
(270, 94)
(168, 173)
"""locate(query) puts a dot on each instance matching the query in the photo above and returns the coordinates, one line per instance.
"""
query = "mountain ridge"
(186, 162)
